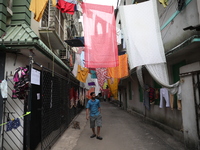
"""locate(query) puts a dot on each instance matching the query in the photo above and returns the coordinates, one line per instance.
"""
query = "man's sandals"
(98, 137)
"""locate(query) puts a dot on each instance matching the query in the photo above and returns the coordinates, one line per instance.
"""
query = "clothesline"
(27, 113)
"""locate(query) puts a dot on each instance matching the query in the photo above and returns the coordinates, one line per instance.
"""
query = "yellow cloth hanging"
(121, 70)
(105, 85)
(54, 2)
(113, 85)
(38, 7)
(82, 74)
(164, 2)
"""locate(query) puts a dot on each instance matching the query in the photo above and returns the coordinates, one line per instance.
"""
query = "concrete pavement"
(120, 131)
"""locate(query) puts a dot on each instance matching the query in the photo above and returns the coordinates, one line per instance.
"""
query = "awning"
(76, 42)
(188, 46)
(21, 36)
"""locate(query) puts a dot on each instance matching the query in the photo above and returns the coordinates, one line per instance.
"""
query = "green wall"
(21, 13)
(3, 13)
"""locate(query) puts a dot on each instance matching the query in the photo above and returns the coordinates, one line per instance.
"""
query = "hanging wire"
(166, 11)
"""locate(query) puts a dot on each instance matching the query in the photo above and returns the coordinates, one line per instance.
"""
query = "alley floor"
(120, 131)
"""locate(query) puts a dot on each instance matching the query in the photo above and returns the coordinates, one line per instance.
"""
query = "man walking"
(93, 105)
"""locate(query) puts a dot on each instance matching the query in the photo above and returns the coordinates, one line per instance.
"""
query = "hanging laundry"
(54, 2)
(4, 89)
(142, 33)
(71, 97)
(164, 2)
(21, 79)
(113, 85)
(119, 37)
(105, 85)
(65, 7)
(93, 74)
(102, 76)
(75, 49)
(82, 74)
(146, 97)
(82, 59)
(38, 7)
(71, 61)
(13, 124)
(121, 70)
(76, 98)
(81, 97)
(80, 49)
(77, 62)
(87, 81)
(97, 87)
(151, 95)
(164, 95)
(100, 36)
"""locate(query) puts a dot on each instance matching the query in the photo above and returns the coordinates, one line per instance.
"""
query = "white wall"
(188, 106)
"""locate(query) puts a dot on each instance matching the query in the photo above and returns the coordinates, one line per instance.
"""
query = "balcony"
(53, 28)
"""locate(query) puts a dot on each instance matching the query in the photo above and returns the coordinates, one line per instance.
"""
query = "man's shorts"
(95, 120)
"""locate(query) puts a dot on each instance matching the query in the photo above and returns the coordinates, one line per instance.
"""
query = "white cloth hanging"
(77, 62)
(140, 25)
(164, 95)
(160, 74)
(4, 89)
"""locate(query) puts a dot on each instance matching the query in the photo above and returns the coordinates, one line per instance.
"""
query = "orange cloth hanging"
(121, 70)
(113, 85)
(82, 74)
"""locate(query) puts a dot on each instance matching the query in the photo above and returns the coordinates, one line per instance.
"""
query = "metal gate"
(56, 110)
(12, 108)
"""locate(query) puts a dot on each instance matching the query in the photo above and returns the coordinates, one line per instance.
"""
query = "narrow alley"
(120, 131)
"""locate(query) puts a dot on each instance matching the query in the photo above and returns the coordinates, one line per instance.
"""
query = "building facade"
(179, 22)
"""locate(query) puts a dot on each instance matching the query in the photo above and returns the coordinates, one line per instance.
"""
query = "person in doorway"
(93, 106)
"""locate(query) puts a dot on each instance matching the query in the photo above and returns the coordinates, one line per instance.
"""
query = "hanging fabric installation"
(100, 36)
(38, 7)
(121, 70)
(102, 76)
(141, 30)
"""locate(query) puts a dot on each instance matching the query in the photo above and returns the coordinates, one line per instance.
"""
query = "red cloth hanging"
(100, 36)
(65, 7)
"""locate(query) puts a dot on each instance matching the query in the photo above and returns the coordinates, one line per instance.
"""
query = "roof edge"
(34, 41)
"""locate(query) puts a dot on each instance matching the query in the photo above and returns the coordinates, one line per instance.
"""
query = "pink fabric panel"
(100, 36)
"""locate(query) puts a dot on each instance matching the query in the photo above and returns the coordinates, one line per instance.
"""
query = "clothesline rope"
(27, 113)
